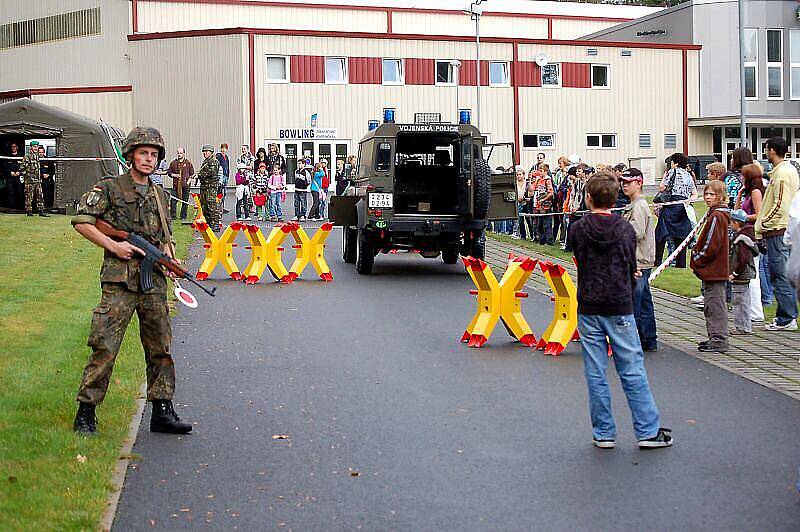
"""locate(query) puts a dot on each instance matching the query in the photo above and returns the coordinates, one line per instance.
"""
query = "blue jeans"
(629, 362)
(644, 311)
(300, 199)
(763, 278)
(275, 205)
(785, 295)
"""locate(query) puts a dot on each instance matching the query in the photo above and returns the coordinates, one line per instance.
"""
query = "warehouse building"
(771, 68)
(310, 75)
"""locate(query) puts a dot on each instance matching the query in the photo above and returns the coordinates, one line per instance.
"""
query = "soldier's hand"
(126, 250)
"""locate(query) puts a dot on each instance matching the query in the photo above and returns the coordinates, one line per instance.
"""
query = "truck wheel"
(478, 247)
(450, 255)
(349, 244)
(365, 257)
(483, 188)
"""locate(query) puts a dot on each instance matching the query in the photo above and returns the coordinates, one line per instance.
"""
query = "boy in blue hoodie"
(605, 251)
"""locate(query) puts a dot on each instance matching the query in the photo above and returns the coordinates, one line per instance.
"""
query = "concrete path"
(352, 406)
(766, 357)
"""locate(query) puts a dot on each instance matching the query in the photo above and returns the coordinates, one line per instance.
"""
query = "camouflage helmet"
(143, 136)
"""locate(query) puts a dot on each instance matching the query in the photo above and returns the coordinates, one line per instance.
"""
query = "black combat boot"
(164, 419)
(29, 214)
(85, 420)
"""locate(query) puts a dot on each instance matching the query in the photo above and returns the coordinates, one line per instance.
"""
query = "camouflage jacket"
(207, 175)
(30, 169)
(117, 200)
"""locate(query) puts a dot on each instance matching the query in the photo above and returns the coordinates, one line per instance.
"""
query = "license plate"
(380, 201)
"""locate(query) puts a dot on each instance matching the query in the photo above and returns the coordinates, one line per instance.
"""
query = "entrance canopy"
(75, 136)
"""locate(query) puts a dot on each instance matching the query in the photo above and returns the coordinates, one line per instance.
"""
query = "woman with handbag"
(673, 221)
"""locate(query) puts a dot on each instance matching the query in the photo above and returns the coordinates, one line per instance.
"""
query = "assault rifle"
(152, 256)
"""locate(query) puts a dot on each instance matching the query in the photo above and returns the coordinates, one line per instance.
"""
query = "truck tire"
(478, 246)
(450, 255)
(365, 257)
(483, 188)
(349, 244)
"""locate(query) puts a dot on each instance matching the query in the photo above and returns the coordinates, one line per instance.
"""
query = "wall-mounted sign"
(429, 127)
(323, 133)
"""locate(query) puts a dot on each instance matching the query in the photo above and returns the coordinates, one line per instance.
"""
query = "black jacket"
(605, 252)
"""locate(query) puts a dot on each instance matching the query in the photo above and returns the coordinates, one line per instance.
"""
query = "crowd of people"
(260, 182)
(23, 186)
(740, 253)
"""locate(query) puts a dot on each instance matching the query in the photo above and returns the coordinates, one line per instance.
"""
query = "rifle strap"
(164, 225)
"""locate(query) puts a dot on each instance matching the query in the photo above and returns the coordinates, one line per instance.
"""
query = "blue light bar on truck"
(464, 116)
(373, 124)
(388, 116)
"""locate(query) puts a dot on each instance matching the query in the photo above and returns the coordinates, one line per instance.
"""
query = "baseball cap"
(739, 215)
(632, 174)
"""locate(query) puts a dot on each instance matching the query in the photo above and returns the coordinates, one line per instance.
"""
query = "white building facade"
(310, 75)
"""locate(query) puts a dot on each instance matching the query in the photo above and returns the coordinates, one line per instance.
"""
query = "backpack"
(326, 181)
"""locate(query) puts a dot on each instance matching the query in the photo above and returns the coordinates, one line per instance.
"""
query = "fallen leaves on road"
(280, 436)
(81, 459)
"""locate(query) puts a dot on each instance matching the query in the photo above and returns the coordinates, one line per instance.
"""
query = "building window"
(750, 64)
(644, 140)
(600, 77)
(277, 68)
(794, 68)
(601, 141)
(670, 141)
(393, 72)
(551, 75)
(539, 141)
(445, 73)
(774, 64)
(336, 70)
(498, 74)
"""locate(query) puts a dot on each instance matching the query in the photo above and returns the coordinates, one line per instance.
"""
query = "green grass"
(50, 286)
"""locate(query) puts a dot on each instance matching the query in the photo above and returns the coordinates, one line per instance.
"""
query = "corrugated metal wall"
(365, 70)
(114, 108)
(349, 107)
(566, 29)
(78, 62)
(176, 16)
(646, 96)
(194, 91)
(460, 24)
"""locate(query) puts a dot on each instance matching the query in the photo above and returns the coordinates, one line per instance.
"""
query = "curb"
(121, 469)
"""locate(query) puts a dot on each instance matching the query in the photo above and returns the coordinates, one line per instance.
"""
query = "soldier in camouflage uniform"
(128, 202)
(209, 183)
(31, 172)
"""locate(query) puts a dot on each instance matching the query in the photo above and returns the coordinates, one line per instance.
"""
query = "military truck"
(429, 188)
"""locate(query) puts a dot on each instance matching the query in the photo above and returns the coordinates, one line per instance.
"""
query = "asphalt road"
(391, 424)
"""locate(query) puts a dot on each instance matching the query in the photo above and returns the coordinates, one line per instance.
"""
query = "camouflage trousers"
(109, 322)
(208, 202)
(33, 191)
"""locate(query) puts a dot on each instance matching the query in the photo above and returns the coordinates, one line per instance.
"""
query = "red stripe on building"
(684, 68)
(405, 37)
(527, 74)
(515, 83)
(27, 93)
(576, 75)
(365, 70)
(468, 73)
(251, 67)
(420, 72)
(307, 69)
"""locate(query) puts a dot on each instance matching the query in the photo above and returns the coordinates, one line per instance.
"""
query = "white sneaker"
(697, 300)
(773, 326)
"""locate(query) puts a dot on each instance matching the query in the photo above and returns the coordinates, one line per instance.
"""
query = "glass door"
(290, 153)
